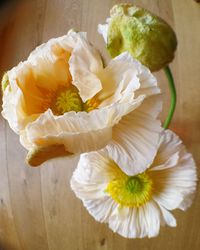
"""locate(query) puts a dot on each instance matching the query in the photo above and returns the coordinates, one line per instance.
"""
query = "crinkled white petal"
(94, 168)
(79, 132)
(136, 222)
(120, 221)
(11, 100)
(49, 131)
(85, 65)
(103, 29)
(167, 217)
(119, 81)
(89, 181)
(100, 209)
(169, 199)
(169, 145)
(125, 78)
(149, 220)
(174, 172)
(136, 138)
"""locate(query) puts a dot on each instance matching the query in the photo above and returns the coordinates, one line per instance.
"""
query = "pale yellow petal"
(85, 65)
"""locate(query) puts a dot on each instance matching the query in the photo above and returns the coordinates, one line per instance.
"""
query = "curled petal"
(79, 132)
(124, 79)
(85, 64)
(136, 138)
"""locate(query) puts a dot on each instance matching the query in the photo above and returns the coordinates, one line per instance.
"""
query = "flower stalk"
(173, 97)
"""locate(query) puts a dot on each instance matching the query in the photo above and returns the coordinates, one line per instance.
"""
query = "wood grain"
(38, 210)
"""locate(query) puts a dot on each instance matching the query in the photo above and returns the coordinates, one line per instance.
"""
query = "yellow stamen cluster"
(91, 104)
(131, 191)
(67, 100)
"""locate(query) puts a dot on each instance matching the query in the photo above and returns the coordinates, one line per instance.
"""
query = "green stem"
(173, 96)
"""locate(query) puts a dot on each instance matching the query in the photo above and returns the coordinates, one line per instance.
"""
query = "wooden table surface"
(38, 210)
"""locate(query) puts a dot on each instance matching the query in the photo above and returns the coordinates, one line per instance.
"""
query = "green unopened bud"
(4, 82)
(145, 36)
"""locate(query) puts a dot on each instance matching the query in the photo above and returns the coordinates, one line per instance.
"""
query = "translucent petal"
(136, 138)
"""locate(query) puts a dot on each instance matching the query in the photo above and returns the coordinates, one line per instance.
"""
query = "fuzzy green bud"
(145, 36)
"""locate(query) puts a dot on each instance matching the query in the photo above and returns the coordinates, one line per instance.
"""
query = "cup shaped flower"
(135, 206)
(62, 101)
(147, 37)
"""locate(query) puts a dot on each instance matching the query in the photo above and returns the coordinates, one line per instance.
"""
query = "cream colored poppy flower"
(62, 101)
(135, 206)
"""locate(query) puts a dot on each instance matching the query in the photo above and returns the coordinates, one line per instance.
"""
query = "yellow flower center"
(67, 100)
(130, 191)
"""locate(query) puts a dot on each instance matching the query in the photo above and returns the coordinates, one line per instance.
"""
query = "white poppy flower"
(62, 101)
(136, 206)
